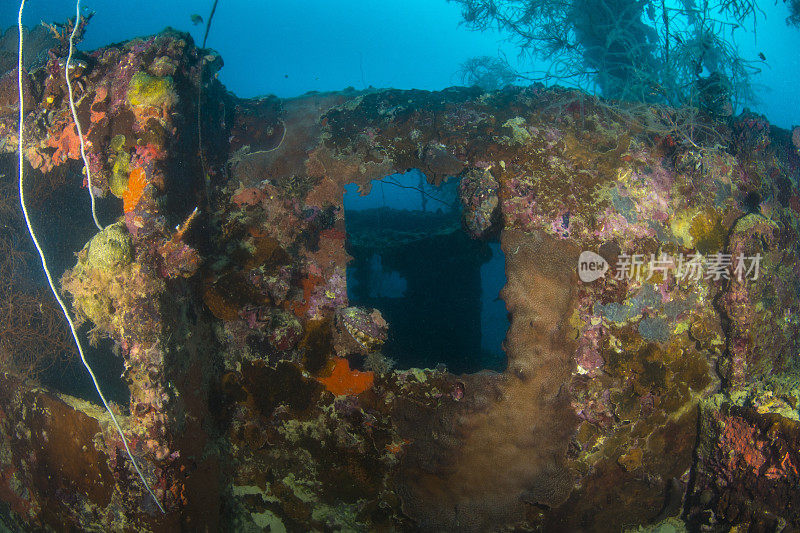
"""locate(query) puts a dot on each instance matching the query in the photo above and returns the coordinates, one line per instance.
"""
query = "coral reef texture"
(664, 390)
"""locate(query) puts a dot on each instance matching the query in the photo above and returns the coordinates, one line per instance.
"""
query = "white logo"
(591, 266)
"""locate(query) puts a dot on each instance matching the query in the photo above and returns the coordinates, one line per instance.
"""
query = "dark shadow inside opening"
(435, 286)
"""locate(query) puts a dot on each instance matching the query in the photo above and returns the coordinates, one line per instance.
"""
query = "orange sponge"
(345, 381)
(136, 183)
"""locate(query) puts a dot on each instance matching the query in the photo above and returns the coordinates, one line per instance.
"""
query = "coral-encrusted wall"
(259, 396)
(132, 283)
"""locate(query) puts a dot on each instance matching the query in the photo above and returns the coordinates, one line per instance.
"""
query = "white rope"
(75, 113)
(47, 270)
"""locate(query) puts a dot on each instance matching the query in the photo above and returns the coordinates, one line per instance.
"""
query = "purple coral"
(329, 295)
(478, 193)
(284, 330)
(751, 133)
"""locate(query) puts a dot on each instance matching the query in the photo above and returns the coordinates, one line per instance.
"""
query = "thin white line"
(47, 270)
(75, 113)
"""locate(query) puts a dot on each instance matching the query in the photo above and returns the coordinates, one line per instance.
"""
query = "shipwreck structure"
(258, 396)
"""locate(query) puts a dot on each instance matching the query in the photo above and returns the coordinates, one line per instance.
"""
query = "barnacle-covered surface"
(259, 396)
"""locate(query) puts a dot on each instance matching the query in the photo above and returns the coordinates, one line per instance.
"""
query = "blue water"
(408, 191)
(457, 317)
(289, 48)
(494, 317)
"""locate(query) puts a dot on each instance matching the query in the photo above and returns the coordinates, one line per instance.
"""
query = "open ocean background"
(289, 48)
